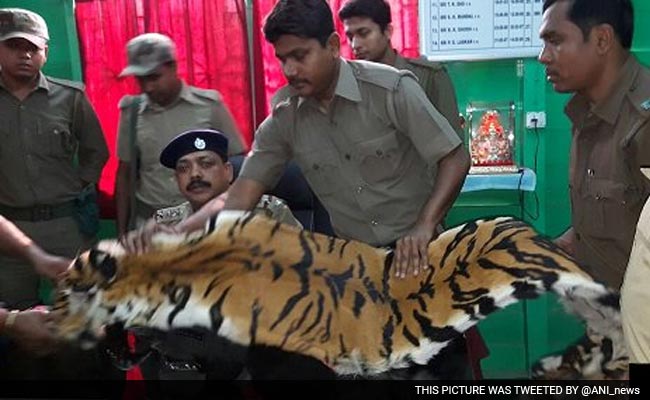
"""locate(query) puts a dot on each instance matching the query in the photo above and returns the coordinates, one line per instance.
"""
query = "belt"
(43, 212)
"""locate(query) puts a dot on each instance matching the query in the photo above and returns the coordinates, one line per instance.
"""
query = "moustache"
(294, 82)
(198, 184)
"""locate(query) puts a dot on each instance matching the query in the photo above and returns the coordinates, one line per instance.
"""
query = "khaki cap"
(25, 24)
(147, 52)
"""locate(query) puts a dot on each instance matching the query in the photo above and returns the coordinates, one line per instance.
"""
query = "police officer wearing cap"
(199, 159)
(149, 121)
(47, 123)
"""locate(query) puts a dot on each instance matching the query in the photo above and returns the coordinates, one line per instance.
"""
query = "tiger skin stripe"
(256, 281)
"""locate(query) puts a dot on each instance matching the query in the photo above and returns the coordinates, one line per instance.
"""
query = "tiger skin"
(258, 282)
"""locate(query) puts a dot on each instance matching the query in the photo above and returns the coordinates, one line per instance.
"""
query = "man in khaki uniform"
(635, 295)
(368, 28)
(199, 159)
(52, 153)
(586, 51)
(167, 106)
(384, 162)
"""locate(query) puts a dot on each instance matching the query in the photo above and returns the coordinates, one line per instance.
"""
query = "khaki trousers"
(19, 283)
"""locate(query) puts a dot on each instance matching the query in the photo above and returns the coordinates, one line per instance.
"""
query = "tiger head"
(80, 310)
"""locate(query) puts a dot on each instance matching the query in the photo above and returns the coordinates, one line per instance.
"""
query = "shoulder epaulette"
(209, 94)
(424, 63)
(66, 83)
(378, 74)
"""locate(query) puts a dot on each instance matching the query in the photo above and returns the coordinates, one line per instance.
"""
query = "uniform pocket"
(323, 172)
(57, 139)
(614, 208)
(379, 158)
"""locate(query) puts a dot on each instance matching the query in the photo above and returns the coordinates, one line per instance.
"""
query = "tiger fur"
(259, 282)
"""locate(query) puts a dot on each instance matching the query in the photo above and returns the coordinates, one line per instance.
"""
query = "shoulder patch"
(66, 83)
(379, 74)
(173, 215)
(209, 94)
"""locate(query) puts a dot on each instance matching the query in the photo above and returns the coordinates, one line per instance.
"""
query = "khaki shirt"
(39, 140)
(195, 108)
(437, 85)
(371, 159)
(271, 206)
(635, 295)
(611, 141)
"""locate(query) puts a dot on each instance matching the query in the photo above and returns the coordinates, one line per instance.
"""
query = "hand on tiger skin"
(139, 240)
(411, 251)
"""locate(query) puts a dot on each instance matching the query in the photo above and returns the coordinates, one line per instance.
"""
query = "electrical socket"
(532, 116)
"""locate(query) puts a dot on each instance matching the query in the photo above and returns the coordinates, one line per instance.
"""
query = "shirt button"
(590, 172)
(359, 189)
(598, 197)
(374, 223)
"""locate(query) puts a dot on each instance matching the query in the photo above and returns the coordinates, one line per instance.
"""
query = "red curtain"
(405, 40)
(212, 53)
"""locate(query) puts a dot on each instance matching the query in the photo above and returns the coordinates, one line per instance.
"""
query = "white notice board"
(479, 29)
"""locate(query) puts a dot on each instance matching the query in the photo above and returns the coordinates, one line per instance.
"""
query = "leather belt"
(42, 212)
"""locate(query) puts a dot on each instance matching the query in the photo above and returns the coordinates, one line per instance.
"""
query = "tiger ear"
(104, 263)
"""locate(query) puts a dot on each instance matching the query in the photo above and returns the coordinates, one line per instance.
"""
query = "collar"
(186, 94)
(608, 109)
(42, 83)
(346, 85)
(400, 62)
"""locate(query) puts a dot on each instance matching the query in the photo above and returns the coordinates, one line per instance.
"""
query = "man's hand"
(48, 265)
(411, 251)
(139, 240)
(34, 331)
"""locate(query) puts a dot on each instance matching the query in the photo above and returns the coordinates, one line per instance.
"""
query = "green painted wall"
(526, 331)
